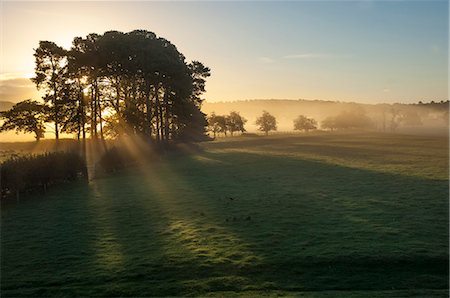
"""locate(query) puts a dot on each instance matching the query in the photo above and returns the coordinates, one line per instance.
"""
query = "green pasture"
(308, 215)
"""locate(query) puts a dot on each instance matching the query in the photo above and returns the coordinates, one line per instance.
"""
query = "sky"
(361, 51)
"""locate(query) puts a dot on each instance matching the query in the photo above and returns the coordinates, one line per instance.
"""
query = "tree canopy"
(304, 123)
(27, 116)
(226, 123)
(127, 83)
(352, 119)
(266, 122)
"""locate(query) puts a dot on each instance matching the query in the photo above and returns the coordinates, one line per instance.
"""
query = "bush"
(114, 159)
(29, 173)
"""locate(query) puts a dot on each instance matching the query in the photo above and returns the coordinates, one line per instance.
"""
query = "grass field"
(319, 215)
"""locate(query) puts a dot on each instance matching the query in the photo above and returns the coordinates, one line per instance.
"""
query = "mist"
(421, 118)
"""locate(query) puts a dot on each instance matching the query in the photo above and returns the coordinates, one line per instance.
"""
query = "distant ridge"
(6, 105)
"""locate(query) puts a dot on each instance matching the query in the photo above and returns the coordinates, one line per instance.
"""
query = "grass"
(319, 215)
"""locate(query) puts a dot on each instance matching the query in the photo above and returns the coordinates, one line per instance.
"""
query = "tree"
(329, 123)
(304, 123)
(266, 122)
(27, 116)
(411, 118)
(127, 83)
(396, 118)
(235, 122)
(353, 119)
(217, 124)
(50, 60)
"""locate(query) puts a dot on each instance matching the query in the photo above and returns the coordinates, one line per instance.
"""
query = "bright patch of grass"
(316, 216)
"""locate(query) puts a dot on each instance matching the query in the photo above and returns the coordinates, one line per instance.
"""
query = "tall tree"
(133, 83)
(50, 69)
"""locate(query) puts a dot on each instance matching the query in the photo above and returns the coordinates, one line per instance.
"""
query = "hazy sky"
(364, 51)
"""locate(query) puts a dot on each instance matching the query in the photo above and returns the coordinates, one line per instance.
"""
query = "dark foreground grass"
(313, 216)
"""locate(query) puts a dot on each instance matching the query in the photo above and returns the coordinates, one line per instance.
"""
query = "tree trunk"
(56, 118)
(161, 124)
(166, 116)
(95, 91)
(157, 110)
(148, 113)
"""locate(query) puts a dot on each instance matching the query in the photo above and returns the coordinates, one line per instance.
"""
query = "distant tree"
(329, 123)
(26, 116)
(445, 117)
(235, 122)
(353, 119)
(266, 122)
(214, 124)
(411, 118)
(396, 119)
(305, 123)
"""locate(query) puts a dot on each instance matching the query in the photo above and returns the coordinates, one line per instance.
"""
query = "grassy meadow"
(314, 215)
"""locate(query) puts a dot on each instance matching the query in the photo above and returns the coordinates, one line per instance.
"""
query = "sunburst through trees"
(119, 83)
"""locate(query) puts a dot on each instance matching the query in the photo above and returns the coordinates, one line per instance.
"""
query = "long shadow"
(178, 248)
(45, 244)
(230, 222)
(319, 226)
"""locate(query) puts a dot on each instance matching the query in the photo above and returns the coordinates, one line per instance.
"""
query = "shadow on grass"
(234, 222)
(318, 226)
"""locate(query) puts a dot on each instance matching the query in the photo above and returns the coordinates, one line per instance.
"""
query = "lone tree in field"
(266, 122)
(235, 122)
(27, 116)
(304, 123)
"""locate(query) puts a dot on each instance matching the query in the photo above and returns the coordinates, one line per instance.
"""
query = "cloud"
(265, 60)
(13, 88)
(307, 56)
(14, 75)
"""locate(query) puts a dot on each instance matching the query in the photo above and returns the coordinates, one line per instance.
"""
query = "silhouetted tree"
(266, 122)
(304, 123)
(50, 61)
(27, 116)
(140, 81)
(235, 122)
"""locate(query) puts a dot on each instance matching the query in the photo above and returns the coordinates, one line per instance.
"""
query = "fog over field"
(421, 118)
(429, 118)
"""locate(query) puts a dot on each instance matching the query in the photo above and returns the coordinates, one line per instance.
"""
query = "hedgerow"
(26, 174)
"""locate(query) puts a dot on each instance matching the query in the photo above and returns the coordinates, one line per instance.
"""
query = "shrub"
(29, 173)
(114, 159)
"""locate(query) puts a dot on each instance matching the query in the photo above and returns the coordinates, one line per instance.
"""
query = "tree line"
(234, 122)
(117, 83)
